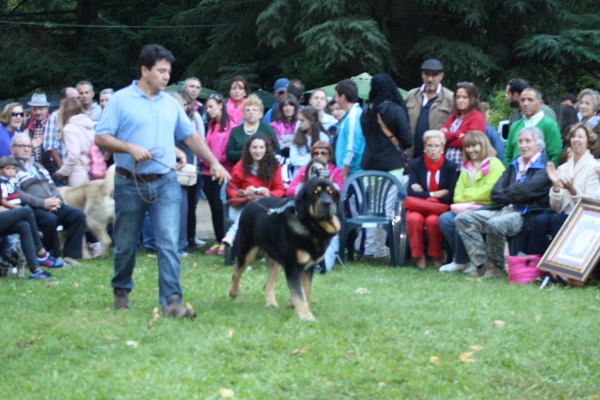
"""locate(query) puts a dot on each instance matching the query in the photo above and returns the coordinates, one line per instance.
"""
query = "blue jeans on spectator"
(130, 209)
(448, 228)
(148, 232)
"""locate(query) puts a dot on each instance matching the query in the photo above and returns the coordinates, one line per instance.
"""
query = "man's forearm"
(56, 158)
(111, 143)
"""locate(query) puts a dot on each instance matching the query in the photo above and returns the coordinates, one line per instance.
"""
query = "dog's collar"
(281, 209)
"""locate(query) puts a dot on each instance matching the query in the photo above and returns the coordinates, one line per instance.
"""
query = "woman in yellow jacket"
(481, 169)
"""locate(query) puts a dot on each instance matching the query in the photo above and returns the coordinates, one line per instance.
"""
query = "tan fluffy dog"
(95, 199)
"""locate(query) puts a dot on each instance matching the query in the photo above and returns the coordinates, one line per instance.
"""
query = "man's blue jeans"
(448, 228)
(130, 209)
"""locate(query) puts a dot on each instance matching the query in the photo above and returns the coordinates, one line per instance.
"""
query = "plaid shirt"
(38, 131)
(51, 139)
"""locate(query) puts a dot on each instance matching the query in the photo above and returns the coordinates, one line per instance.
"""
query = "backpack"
(97, 163)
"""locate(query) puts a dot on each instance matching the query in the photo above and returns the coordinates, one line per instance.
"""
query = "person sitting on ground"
(257, 174)
(22, 222)
(467, 118)
(285, 122)
(253, 112)
(523, 185)
(78, 135)
(323, 152)
(318, 100)
(431, 177)
(310, 130)
(491, 132)
(572, 181)
(481, 170)
(8, 170)
(36, 189)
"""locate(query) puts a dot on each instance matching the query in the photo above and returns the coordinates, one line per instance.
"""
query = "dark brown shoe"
(121, 297)
(174, 309)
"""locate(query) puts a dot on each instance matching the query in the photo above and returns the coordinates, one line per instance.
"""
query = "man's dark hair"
(517, 85)
(150, 54)
(570, 97)
(63, 94)
(296, 88)
(348, 88)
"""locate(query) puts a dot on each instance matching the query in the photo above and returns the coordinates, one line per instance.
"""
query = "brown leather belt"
(143, 177)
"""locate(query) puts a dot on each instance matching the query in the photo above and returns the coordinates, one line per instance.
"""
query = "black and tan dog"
(294, 235)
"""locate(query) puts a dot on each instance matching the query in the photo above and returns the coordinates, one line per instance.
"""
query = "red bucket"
(522, 269)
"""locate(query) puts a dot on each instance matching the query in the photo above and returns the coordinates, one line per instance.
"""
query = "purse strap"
(386, 131)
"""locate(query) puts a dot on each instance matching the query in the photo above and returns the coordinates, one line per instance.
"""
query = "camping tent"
(363, 82)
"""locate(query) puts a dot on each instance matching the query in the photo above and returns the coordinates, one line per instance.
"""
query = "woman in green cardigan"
(480, 171)
(253, 113)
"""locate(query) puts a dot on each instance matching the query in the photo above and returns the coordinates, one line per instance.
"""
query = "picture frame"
(575, 250)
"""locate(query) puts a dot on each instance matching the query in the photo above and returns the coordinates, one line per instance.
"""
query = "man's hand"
(52, 203)
(59, 176)
(138, 153)
(181, 158)
(219, 173)
(37, 142)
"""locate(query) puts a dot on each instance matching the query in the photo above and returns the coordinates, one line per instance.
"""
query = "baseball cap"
(281, 85)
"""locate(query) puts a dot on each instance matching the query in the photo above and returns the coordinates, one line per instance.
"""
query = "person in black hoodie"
(387, 135)
(523, 185)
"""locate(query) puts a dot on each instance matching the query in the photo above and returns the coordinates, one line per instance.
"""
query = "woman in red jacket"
(257, 173)
(467, 118)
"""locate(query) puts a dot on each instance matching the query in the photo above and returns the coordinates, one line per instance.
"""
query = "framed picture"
(575, 250)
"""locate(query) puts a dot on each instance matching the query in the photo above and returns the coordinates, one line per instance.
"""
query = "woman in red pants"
(432, 180)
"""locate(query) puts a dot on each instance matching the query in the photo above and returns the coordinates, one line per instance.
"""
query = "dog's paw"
(234, 292)
(272, 304)
(307, 317)
(289, 304)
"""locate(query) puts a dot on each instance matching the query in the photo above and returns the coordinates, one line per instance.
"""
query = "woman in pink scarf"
(238, 90)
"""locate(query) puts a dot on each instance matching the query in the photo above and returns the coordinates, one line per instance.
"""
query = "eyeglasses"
(320, 153)
(251, 110)
(23, 146)
(467, 84)
(17, 114)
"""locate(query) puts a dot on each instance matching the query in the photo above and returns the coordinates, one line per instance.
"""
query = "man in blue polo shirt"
(140, 125)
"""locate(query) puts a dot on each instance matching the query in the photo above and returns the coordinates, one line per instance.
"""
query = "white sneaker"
(453, 267)
(199, 242)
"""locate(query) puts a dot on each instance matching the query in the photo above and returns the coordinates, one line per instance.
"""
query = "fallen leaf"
(185, 255)
(229, 333)
(470, 279)
(188, 306)
(151, 256)
(361, 290)
(249, 279)
(155, 316)
(106, 309)
(434, 360)
(188, 281)
(195, 265)
(246, 287)
(76, 284)
(314, 301)
(466, 357)
(538, 319)
(350, 354)
(110, 337)
(132, 343)
(476, 347)
(295, 351)
(478, 280)
(304, 350)
(216, 266)
(393, 316)
(77, 311)
(81, 278)
(500, 324)
(381, 384)
(226, 393)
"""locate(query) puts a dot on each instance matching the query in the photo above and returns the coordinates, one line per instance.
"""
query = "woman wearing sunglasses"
(323, 152)
(467, 118)
(11, 120)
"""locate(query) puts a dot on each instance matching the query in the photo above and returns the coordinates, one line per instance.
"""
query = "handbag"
(458, 208)
(523, 269)
(241, 201)
(188, 175)
(429, 206)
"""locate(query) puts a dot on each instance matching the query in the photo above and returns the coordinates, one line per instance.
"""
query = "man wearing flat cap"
(36, 125)
(430, 105)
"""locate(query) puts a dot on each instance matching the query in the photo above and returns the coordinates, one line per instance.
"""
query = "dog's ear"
(301, 202)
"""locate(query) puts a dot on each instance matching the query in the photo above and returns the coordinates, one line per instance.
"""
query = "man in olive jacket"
(430, 105)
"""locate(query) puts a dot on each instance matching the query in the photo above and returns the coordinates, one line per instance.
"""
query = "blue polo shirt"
(154, 124)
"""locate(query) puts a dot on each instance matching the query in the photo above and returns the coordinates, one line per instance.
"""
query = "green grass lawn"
(62, 339)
